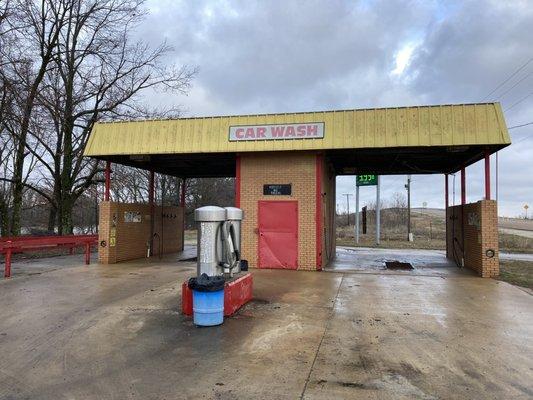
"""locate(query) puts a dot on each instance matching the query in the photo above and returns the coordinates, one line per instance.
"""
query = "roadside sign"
(366, 180)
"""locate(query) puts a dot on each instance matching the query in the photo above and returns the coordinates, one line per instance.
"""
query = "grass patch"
(515, 244)
(518, 273)
(190, 235)
(394, 243)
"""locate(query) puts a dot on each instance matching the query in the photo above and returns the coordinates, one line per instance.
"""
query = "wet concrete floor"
(115, 332)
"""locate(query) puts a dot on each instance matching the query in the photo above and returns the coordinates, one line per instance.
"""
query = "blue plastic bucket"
(208, 307)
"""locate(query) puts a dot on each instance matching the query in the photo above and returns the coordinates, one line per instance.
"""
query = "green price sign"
(367, 180)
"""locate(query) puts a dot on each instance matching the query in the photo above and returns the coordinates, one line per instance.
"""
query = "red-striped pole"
(107, 180)
(487, 175)
(151, 196)
(463, 186)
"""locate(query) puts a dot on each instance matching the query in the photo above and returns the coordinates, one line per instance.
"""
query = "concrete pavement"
(115, 332)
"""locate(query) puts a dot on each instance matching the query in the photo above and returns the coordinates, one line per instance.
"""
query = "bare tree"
(98, 73)
(32, 33)
(66, 64)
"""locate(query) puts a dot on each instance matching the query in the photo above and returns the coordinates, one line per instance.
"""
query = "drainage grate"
(188, 259)
(398, 265)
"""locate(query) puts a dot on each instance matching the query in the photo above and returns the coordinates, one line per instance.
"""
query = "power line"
(519, 126)
(524, 138)
(515, 85)
(509, 78)
(518, 102)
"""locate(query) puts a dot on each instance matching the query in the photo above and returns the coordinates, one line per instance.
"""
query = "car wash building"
(285, 167)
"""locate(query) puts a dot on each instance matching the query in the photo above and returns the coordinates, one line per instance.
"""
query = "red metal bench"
(23, 244)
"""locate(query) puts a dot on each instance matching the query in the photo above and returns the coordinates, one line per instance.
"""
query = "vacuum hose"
(232, 256)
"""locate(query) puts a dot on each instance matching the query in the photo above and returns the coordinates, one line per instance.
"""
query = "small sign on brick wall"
(277, 190)
(132, 216)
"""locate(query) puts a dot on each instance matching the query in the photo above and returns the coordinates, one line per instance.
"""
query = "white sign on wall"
(307, 130)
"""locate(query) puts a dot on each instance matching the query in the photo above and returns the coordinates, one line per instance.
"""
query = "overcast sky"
(287, 56)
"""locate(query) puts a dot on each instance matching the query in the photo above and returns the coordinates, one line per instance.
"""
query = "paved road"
(518, 232)
(369, 256)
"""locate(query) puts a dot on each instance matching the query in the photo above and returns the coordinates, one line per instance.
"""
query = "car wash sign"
(305, 130)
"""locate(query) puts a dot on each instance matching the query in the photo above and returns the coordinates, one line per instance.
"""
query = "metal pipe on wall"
(487, 175)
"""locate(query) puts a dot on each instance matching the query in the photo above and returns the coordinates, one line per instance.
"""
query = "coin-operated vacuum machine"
(222, 283)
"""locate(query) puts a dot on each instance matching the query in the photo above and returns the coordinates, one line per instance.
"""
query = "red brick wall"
(295, 168)
(479, 224)
(130, 240)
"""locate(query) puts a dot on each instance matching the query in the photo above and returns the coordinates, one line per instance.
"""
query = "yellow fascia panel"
(441, 125)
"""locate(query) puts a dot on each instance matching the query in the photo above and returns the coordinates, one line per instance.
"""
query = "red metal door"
(278, 234)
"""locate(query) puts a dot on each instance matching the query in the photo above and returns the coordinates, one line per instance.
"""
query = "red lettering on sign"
(239, 133)
(312, 130)
(250, 133)
(261, 132)
(277, 131)
(290, 131)
(300, 130)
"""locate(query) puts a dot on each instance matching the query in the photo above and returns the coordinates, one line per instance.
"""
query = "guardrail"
(24, 244)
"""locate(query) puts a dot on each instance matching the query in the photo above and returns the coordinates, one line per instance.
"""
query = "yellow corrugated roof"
(440, 125)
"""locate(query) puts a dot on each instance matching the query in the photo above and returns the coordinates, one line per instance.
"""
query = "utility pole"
(348, 206)
(408, 187)
(378, 213)
(357, 214)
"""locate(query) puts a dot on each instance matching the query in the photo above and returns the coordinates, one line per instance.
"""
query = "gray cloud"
(284, 56)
